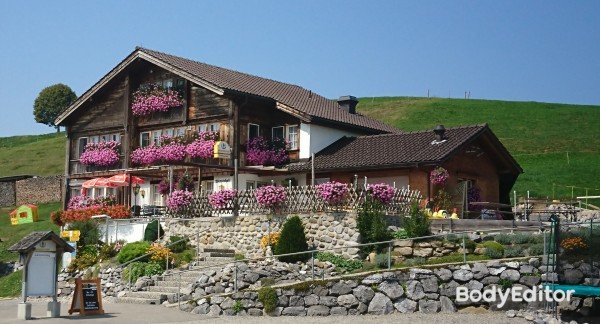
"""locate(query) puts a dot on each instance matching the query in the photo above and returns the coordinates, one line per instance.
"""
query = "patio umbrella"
(97, 182)
(123, 180)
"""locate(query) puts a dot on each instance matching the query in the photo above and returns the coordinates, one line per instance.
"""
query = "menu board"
(87, 298)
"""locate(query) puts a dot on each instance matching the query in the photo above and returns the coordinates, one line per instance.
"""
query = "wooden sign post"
(87, 299)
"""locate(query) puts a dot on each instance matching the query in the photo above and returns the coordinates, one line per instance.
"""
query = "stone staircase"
(167, 287)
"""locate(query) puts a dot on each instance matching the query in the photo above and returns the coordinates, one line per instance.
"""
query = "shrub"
(292, 240)
(86, 213)
(177, 247)
(341, 263)
(535, 249)
(89, 234)
(505, 284)
(417, 224)
(268, 297)
(504, 239)
(139, 269)
(152, 268)
(133, 250)
(469, 244)
(56, 218)
(272, 239)
(381, 260)
(513, 251)
(82, 262)
(237, 307)
(159, 253)
(184, 257)
(413, 262)
(107, 251)
(239, 256)
(151, 233)
(573, 244)
(400, 234)
(371, 226)
(523, 238)
(493, 249)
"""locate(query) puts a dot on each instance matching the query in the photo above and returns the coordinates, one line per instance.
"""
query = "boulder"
(462, 275)
(340, 288)
(392, 289)
(363, 294)
(347, 300)
(443, 274)
(414, 290)
(446, 305)
(373, 279)
(479, 271)
(317, 310)
(430, 284)
(573, 276)
(380, 305)
(510, 274)
(429, 306)
(406, 306)
(338, 311)
(294, 311)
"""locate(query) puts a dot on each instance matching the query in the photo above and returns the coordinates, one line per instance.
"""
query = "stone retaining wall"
(39, 190)
(7, 194)
(243, 234)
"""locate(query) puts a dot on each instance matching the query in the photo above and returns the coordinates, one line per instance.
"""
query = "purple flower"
(179, 199)
(260, 151)
(439, 176)
(154, 99)
(381, 192)
(203, 146)
(146, 155)
(332, 192)
(221, 199)
(270, 196)
(101, 154)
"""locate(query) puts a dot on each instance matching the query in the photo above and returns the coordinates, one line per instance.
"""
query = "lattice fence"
(299, 200)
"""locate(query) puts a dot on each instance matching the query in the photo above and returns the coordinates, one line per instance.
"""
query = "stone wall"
(243, 234)
(39, 190)
(7, 194)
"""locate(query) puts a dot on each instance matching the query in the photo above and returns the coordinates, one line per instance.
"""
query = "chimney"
(348, 103)
(440, 133)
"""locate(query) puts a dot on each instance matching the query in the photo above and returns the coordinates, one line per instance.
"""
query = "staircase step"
(172, 283)
(166, 289)
(208, 250)
(149, 294)
(135, 300)
(221, 255)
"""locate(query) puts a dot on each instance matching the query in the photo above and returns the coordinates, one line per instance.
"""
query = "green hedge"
(133, 250)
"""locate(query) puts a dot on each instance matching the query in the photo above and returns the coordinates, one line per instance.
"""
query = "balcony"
(77, 167)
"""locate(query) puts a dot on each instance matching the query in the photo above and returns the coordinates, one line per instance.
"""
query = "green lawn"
(10, 234)
(35, 154)
(539, 135)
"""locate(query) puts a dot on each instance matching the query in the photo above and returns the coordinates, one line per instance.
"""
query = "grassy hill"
(554, 143)
(32, 154)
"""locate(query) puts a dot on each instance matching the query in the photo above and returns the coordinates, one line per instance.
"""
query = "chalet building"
(239, 107)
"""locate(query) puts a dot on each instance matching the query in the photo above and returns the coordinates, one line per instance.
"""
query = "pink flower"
(270, 196)
(260, 151)
(101, 154)
(154, 99)
(146, 155)
(332, 192)
(179, 199)
(439, 176)
(221, 199)
(203, 146)
(381, 192)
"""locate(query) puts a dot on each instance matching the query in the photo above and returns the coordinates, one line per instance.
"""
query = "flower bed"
(221, 199)
(381, 192)
(82, 214)
(270, 196)
(179, 199)
(154, 99)
(439, 176)
(100, 154)
(81, 201)
(260, 151)
(332, 192)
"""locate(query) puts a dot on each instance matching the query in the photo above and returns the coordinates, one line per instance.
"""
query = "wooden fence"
(299, 200)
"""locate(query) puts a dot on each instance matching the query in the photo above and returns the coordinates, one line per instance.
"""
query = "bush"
(522, 238)
(159, 253)
(184, 257)
(505, 284)
(268, 297)
(413, 262)
(177, 247)
(56, 218)
(400, 234)
(133, 250)
(504, 239)
(493, 249)
(535, 249)
(150, 234)
(292, 240)
(371, 226)
(382, 260)
(89, 234)
(139, 269)
(341, 263)
(82, 262)
(469, 244)
(107, 251)
(513, 251)
(417, 224)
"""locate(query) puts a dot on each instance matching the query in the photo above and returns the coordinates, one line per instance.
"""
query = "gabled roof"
(29, 242)
(288, 97)
(401, 150)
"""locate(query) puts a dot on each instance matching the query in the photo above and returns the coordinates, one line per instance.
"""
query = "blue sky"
(513, 50)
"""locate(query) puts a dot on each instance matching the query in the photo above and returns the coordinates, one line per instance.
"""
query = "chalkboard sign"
(87, 298)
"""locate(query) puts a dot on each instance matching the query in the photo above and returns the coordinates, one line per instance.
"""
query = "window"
(115, 137)
(253, 131)
(144, 139)
(156, 137)
(277, 132)
(94, 139)
(180, 131)
(250, 185)
(157, 198)
(215, 127)
(202, 127)
(81, 143)
(292, 137)
(169, 132)
(208, 185)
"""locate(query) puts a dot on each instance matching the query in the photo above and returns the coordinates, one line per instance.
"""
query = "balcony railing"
(77, 167)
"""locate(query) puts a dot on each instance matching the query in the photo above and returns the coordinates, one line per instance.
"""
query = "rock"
(430, 284)
(530, 281)
(380, 305)
(214, 310)
(414, 290)
(429, 306)
(294, 311)
(513, 265)
(449, 289)
(474, 285)
(480, 271)
(338, 311)
(328, 301)
(373, 279)
(570, 305)
(404, 251)
(340, 288)
(201, 309)
(318, 310)
(406, 306)
(363, 294)
(496, 271)
(403, 243)
(362, 308)
(311, 300)
(227, 303)
(462, 275)
(535, 262)
(443, 274)
(446, 305)
(255, 312)
(490, 280)
(526, 269)
(510, 274)
(511, 313)
(251, 277)
(347, 300)
(296, 301)
(422, 252)
(573, 276)
(392, 289)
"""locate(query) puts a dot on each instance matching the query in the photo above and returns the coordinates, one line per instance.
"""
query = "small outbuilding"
(24, 214)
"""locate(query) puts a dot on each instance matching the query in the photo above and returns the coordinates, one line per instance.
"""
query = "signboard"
(41, 280)
(73, 236)
(87, 298)
(222, 150)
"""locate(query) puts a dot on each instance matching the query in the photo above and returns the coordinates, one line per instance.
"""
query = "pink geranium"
(100, 154)
(332, 192)
(146, 155)
(260, 151)
(270, 196)
(381, 192)
(221, 199)
(154, 99)
(203, 146)
(439, 176)
(179, 199)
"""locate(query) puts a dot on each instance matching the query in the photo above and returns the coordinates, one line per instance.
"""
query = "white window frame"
(257, 129)
(282, 131)
(215, 127)
(292, 144)
(79, 148)
(142, 139)
(157, 198)
(94, 139)
(180, 131)
(202, 128)
(168, 132)
(155, 138)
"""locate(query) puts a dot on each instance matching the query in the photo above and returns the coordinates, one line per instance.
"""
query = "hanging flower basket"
(154, 99)
(439, 176)
(101, 154)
